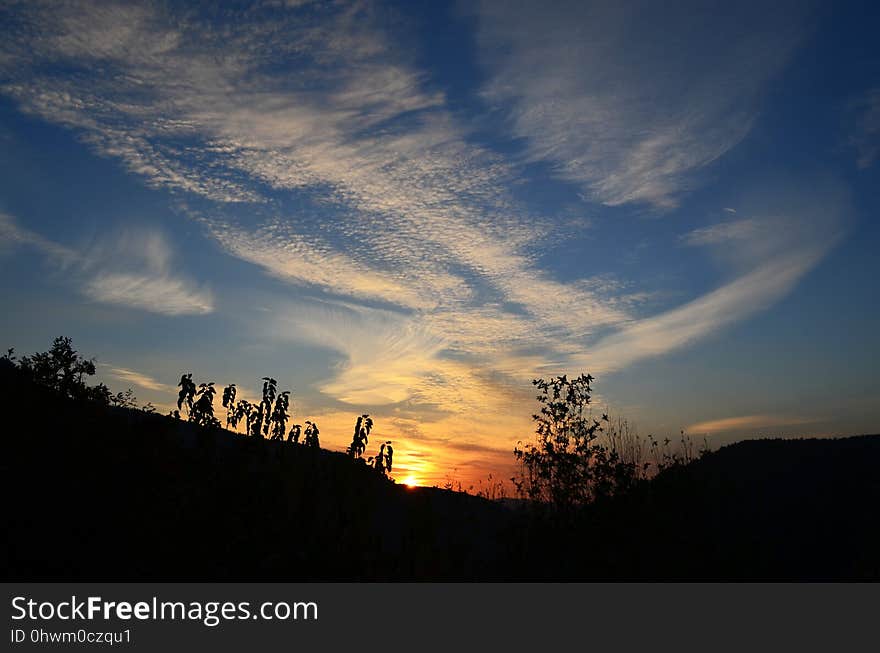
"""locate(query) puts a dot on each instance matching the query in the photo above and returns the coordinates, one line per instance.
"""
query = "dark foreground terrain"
(98, 493)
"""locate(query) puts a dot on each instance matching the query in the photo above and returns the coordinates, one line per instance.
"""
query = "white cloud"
(134, 267)
(131, 268)
(769, 253)
(162, 295)
(723, 232)
(745, 422)
(421, 215)
(703, 316)
(632, 101)
(138, 378)
(395, 202)
(11, 233)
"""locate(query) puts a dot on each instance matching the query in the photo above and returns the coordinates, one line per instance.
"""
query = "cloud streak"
(744, 423)
(163, 295)
(132, 268)
(769, 253)
(137, 378)
(866, 130)
(633, 112)
(306, 142)
(421, 219)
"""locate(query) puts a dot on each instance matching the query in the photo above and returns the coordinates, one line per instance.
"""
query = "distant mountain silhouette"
(765, 509)
(111, 494)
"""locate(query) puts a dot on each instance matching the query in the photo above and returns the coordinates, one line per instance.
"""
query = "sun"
(410, 481)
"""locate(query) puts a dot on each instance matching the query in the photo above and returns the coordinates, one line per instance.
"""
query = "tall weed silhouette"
(362, 427)
(311, 435)
(202, 412)
(382, 461)
(280, 415)
(187, 393)
(229, 393)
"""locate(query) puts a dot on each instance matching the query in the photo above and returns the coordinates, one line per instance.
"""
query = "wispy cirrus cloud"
(705, 316)
(13, 234)
(135, 267)
(162, 294)
(137, 378)
(789, 232)
(723, 232)
(130, 268)
(631, 112)
(413, 197)
(745, 423)
(421, 218)
(865, 134)
(306, 142)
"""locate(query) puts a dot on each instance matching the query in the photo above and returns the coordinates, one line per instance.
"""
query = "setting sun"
(410, 481)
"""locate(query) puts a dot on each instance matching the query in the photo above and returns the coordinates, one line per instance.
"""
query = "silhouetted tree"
(63, 370)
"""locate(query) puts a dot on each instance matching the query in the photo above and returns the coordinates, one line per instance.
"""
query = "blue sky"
(415, 208)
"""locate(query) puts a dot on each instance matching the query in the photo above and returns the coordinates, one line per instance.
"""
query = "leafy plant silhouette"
(382, 461)
(62, 370)
(566, 467)
(229, 404)
(202, 412)
(280, 415)
(187, 393)
(295, 432)
(311, 433)
(261, 421)
(125, 399)
(245, 410)
(362, 428)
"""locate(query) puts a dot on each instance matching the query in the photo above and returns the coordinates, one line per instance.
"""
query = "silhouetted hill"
(759, 509)
(100, 493)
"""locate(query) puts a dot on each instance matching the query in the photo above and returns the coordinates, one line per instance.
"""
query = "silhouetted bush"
(567, 467)
(63, 370)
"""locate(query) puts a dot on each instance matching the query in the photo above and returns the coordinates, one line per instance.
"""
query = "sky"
(413, 209)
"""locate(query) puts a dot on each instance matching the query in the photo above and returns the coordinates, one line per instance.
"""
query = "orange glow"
(411, 481)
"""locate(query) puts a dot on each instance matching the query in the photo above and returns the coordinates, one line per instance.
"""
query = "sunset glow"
(412, 210)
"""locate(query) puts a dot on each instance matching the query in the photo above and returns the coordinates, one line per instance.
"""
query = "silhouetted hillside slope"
(759, 509)
(100, 493)
(110, 494)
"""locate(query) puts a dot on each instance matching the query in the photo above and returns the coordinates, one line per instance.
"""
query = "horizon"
(413, 210)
